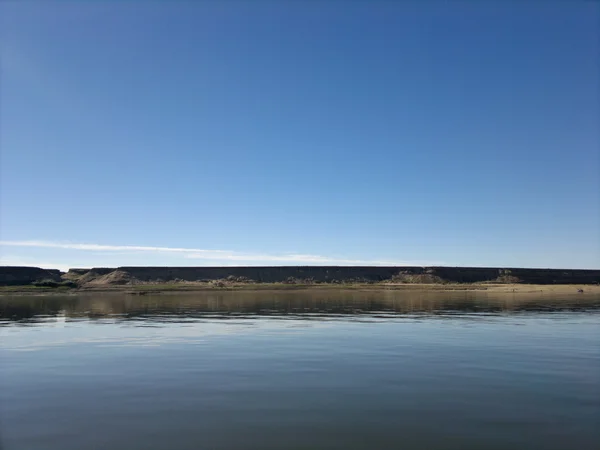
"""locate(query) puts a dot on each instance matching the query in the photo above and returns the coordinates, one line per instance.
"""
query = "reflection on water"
(305, 304)
(300, 370)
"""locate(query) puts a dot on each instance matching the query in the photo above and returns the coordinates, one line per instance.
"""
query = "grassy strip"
(175, 287)
(30, 288)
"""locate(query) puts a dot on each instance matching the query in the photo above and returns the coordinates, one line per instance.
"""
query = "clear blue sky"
(300, 132)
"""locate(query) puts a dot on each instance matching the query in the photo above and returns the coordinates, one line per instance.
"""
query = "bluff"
(19, 276)
(313, 274)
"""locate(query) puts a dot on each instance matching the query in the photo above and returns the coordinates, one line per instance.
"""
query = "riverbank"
(14, 280)
(158, 288)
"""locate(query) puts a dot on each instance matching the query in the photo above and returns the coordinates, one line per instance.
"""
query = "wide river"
(300, 370)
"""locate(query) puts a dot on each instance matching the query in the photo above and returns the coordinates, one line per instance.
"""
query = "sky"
(300, 132)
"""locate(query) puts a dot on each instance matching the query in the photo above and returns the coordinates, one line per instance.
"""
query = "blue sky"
(305, 132)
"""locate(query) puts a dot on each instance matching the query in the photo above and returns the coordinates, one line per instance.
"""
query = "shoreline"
(167, 288)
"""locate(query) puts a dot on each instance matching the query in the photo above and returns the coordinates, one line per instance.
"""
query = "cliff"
(17, 276)
(298, 274)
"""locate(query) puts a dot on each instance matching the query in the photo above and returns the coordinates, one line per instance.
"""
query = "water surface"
(300, 370)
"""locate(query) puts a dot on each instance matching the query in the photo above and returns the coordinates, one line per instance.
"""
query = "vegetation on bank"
(30, 288)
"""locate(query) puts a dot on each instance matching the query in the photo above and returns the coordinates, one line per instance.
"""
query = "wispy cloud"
(284, 258)
(212, 255)
(109, 248)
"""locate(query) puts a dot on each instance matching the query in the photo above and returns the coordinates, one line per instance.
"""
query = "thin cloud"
(213, 255)
(299, 259)
(282, 258)
(105, 248)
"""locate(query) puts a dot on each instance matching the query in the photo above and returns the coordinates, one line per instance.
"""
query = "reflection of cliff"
(223, 305)
(98, 277)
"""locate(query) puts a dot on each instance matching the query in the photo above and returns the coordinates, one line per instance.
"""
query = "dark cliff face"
(16, 276)
(318, 274)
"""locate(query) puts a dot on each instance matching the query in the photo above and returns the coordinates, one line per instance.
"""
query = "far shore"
(147, 288)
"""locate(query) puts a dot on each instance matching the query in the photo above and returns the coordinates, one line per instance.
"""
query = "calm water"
(304, 370)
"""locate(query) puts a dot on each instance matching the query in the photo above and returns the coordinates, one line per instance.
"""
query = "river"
(300, 370)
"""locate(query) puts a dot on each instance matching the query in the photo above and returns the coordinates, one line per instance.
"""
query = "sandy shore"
(557, 289)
